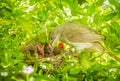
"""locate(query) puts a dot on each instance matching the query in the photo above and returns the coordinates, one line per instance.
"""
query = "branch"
(113, 55)
(110, 53)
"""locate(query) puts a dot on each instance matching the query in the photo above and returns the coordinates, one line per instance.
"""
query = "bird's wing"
(83, 37)
(79, 33)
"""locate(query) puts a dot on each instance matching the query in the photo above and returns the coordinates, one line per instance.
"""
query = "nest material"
(32, 55)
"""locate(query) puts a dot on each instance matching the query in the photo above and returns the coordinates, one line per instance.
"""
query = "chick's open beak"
(41, 49)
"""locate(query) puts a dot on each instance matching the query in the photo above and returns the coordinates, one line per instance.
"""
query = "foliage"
(24, 20)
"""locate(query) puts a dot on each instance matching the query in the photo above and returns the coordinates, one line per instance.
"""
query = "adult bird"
(79, 36)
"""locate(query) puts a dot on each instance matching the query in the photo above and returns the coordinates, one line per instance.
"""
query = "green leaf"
(116, 27)
(115, 3)
(109, 16)
(66, 68)
(81, 1)
(70, 78)
(74, 71)
(91, 9)
(40, 73)
(100, 2)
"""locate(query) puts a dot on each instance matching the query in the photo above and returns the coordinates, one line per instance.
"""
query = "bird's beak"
(51, 47)
(52, 42)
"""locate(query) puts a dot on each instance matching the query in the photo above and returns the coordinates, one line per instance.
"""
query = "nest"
(32, 55)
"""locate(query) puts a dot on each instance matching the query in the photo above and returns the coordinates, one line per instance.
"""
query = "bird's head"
(54, 36)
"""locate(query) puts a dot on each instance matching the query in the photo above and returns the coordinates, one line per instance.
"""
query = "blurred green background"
(22, 21)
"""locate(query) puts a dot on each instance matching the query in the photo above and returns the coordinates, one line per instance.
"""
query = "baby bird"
(77, 35)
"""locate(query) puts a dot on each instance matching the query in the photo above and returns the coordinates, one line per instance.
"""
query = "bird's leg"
(41, 49)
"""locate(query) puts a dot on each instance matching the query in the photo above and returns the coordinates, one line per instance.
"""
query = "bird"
(77, 35)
